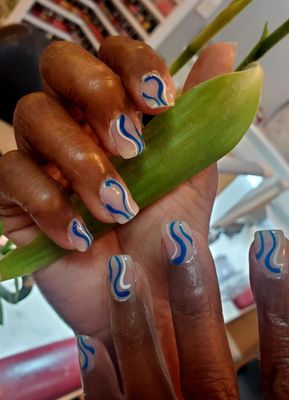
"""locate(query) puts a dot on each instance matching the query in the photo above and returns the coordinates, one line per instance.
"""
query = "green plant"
(217, 113)
(22, 290)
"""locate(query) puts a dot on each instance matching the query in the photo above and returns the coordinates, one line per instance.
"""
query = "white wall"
(245, 29)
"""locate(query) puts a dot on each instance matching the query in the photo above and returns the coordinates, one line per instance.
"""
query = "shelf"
(136, 26)
(61, 11)
(46, 27)
(94, 7)
(152, 8)
(172, 21)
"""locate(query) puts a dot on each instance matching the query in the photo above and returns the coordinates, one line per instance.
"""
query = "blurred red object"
(245, 299)
(44, 373)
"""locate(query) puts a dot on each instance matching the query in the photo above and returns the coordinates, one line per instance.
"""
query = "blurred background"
(253, 188)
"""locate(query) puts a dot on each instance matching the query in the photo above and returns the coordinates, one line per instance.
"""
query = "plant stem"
(265, 44)
(221, 20)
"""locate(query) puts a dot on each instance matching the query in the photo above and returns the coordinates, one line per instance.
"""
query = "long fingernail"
(126, 137)
(270, 251)
(118, 201)
(121, 276)
(78, 235)
(86, 352)
(155, 92)
(179, 243)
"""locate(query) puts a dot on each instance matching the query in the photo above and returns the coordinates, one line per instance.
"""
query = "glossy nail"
(118, 201)
(179, 243)
(126, 137)
(86, 352)
(155, 92)
(270, 251)
(121, 276)
(78, 235)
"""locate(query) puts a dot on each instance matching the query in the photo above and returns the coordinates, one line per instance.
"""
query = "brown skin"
(206, 367)
(272, 300)
(199, 329)
(137, 344)
(76, 284)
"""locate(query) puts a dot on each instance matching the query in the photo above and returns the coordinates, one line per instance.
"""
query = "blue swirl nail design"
(134, 138)
(78, 235)
(117, 201)
(179, 242)
(86, 352)
(82, 232)
(269, 250)
(154, 95)
(120, 267)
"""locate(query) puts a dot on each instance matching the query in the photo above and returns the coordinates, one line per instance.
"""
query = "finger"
(72, 73)
(99, 380)
(206, 366)
(142, 71)
(55, 136)
(217, 59)
(142, 365)
(269, 256)
(24, 183)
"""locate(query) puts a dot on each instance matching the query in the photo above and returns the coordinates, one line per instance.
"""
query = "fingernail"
(121, 275)
(118, 201)
(78, 235)
(270, 251)
(179, 243)
(155, 92)
(86, 352)
(126, 137)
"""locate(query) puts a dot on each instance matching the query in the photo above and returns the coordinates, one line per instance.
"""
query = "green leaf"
(205, 124)
(265, 43)
(8, 247)
(1, 313)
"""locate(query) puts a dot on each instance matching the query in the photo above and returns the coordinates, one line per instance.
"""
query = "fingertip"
(121, 277)
(143, 73)
(178, 242)
(78, 235)
(156, 92)
(117, 201)
(216, 59)
(126, 135)
(268, 255)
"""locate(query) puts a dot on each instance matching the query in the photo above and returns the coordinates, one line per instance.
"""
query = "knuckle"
(52, 51)
(26, 106)
(8, 160)
(105, 81)
(193, 303)
(45, 201)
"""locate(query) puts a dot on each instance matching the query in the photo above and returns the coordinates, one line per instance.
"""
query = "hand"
(206, 367)
(56, 155)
